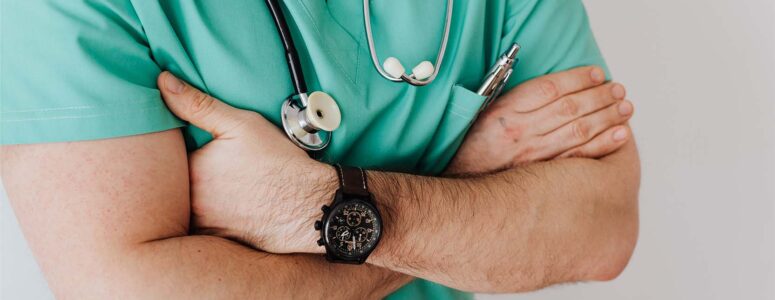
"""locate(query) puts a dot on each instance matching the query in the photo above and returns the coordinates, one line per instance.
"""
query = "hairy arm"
(110, 219)
(517, 230)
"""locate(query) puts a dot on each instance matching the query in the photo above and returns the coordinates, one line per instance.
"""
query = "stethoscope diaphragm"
(309, 120)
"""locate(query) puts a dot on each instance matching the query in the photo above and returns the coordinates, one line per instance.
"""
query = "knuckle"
(202, 104)
(548, 88)
(580, 130)
(569, 107)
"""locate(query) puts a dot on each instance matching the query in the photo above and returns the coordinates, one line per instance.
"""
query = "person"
(541, 190)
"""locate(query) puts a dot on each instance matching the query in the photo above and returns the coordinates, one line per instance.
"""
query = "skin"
(113, 219)
(552, 116)
(116, 211)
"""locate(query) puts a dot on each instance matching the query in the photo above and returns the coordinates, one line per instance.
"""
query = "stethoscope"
(309, 119)
(392, 69)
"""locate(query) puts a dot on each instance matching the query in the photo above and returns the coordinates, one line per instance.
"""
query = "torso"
(232, 50)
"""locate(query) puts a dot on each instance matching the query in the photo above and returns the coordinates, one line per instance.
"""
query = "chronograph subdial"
(362, 234)
(353, 218)
(343, 233)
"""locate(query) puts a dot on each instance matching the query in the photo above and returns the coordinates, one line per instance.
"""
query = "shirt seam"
(154, 102)
(139, 110)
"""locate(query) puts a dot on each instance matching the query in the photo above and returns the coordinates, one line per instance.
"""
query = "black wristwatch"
(351, 227)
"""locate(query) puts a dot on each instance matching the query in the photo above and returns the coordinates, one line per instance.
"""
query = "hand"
(250, 183)
(565, 114)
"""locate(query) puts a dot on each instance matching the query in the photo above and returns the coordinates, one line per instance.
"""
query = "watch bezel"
(333, 254)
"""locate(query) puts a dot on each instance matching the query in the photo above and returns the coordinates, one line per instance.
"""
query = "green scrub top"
(84, 70)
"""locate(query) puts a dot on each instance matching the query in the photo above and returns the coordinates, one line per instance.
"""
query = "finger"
(574, 106)
(585, 129)
(538, 92)
(602, 145)
(197, 107)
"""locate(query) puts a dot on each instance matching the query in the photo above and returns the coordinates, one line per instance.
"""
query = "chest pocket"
(461, 111)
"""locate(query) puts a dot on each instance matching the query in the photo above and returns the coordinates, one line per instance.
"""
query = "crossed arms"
(118, 212)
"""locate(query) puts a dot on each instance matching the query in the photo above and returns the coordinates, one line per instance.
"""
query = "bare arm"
(117, 213)
(109, 219)
(518, 230)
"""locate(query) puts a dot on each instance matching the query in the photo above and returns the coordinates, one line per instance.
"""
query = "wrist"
(288, 225)
(351, 226)
(323, 183)
(387, 190)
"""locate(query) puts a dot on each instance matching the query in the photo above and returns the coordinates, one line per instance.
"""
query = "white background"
(702, 76)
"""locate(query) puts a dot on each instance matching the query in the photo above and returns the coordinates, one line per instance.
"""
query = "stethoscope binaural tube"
(422, 74)
(308, 120)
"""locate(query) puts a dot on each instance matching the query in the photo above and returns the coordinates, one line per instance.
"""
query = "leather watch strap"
(352, 180)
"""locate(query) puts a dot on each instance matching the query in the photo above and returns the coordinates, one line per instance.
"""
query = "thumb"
(197, 107)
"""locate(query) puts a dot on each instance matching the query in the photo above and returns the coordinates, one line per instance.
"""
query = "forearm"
(194, 267)
(104, 222)
(522, 229)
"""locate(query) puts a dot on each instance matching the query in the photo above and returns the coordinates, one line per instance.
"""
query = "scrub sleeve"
(76, 70)
(554, 35)
(84, 70)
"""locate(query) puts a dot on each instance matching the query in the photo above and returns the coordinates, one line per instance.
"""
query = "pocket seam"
(462, 110)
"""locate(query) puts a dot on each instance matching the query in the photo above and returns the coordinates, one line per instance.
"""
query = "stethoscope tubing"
(294, 112)
(410, 80)
(291, 56)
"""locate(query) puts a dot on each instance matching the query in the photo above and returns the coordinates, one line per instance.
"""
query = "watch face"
(353, 228)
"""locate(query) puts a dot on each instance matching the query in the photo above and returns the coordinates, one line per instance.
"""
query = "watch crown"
(321, 242)
(318, 225)
(325, 208)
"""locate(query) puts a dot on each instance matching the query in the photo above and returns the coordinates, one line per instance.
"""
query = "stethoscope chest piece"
(308, 120)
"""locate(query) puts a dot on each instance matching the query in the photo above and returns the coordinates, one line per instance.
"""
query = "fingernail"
(173, 84)
(597, 75)
(618, 91)
(625, 108)
(620, 135)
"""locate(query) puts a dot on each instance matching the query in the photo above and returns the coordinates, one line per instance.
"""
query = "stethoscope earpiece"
(394, 68)
(309, 120)
(423, 71)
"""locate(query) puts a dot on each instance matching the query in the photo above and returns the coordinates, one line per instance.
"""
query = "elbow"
(621, 235)
(619, 246)
(615, 264)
